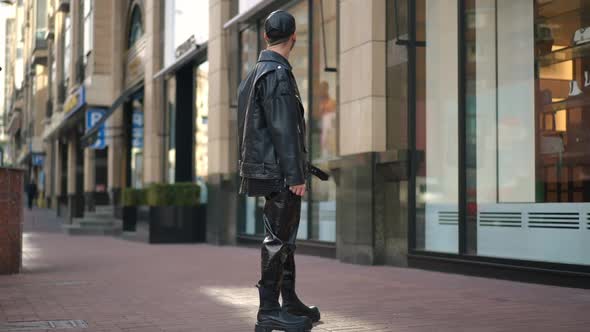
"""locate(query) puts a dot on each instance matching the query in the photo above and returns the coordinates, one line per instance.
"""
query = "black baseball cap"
(279, 26)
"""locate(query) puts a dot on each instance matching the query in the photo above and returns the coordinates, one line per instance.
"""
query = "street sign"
(38, 160)
(93, 115)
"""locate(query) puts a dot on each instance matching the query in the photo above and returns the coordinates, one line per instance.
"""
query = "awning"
(250, 14)
(197, 53)
(92, 134)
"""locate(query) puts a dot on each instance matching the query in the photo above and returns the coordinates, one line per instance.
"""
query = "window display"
(528, 104)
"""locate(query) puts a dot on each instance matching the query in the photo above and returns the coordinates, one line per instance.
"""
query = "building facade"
(454, 130)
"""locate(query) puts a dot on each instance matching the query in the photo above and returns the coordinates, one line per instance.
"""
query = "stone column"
(89, 179)
(49, 171)
(75, 199)
(57, 175)
(362, 122)
(222, 188)
(116, 149)
(153, 95)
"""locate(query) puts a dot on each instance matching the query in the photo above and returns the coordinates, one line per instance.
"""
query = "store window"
(528, 125)
(318, 212)
(137, 141)
(201, 127)
(323, 120)
(136, 26)
(88, 27)
(67, 49)
(249, 49)
(171, 124)
(436, 129)
(41, 21)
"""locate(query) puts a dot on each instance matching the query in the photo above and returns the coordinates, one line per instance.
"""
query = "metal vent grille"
(558, 220)
(500, 219)
(588, 220)
(449, 218)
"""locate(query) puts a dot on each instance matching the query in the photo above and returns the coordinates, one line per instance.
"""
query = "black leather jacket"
(271, 124)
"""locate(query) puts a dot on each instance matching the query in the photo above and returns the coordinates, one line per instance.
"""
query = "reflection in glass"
(436, 126)
(201, 127)
(323, 122)
(171, 118)
(249, 56)
(527, 152)
(299, 60)
(137, 135)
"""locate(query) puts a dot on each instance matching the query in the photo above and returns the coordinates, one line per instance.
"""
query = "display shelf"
(571, 102)
(553, 9)
(564, 54)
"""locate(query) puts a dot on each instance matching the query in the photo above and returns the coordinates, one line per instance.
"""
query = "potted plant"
(174, 213)
(131, 199)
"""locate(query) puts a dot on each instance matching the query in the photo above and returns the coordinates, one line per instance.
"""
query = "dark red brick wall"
(11, 220)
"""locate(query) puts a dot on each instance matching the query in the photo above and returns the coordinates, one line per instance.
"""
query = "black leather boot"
(291, 302)
(270, 316)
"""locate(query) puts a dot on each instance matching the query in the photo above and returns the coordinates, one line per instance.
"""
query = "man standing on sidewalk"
(273, 164)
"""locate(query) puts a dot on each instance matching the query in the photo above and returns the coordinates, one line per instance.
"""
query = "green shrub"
(176, 194)
(133, 197)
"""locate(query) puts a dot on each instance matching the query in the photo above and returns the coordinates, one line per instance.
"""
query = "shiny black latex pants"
(281, 222)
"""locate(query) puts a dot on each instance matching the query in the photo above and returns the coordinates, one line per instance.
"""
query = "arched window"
(136, 26)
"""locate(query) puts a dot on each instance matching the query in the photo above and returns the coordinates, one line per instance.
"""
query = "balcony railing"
(40, 49)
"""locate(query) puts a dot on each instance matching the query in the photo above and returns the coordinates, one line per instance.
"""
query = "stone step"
(104, 209)
(103, 215)
(95, 221)
(77, 229)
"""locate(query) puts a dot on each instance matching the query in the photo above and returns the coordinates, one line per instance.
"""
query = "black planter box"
(177, 224)
(129, 216)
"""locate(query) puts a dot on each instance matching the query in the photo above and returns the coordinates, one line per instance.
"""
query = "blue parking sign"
(93, 115)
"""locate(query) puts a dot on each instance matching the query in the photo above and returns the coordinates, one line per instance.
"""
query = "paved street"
(116, 285)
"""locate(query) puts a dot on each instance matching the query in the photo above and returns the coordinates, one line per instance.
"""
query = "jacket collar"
(267, 55)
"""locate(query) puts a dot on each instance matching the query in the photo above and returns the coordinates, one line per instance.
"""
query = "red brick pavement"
(116, 285)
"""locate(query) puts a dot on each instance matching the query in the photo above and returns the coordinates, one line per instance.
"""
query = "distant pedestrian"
(31, 193)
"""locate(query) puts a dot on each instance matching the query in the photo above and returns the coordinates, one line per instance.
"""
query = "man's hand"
(298, 190)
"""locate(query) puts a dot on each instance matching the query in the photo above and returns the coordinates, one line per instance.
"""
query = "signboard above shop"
(185, 19)
(75, 101)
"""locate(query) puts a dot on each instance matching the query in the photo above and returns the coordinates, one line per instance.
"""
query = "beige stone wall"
(58, 169)
(103, 32)
(89, 170)
(98, 80)
(75, 43)
(153, 94)
(39, 99)
(116, 46)
(362, 76)
(221, 158)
